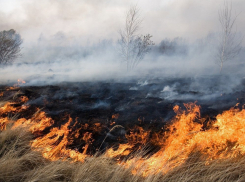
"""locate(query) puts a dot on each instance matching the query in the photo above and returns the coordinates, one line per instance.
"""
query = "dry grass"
(19, 163)
(218, 171)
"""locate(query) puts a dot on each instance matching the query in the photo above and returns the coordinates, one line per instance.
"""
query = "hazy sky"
(94, 20)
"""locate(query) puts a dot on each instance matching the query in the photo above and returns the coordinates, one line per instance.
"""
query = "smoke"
(72, 41)
(96, 20)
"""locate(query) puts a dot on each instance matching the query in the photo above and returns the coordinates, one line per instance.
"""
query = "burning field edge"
(37, 147)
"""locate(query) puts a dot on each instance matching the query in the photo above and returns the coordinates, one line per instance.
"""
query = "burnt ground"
(147, 102)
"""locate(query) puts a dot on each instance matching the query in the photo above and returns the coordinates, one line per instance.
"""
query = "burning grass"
(189, 148)
(18, 162)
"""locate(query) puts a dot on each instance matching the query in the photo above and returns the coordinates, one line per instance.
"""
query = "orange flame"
(37, 123)
(8, 107)
(3, 123)
(19, 83)
(123, 149)
(23, 99)
(224, 140)
(185, 135)
(53, 145)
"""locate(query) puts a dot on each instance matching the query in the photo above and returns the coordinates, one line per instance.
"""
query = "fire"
(54, 145)
(37, 123)
(177, 143)
(8, 107)
(3, 123)
(21, 82)
(123, 149)
(17, 85)
(23, 99)
(186, 136)
(4, 120)
(138, 136)
(115, 116)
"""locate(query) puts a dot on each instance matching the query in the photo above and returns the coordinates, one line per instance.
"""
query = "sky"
(95, 20)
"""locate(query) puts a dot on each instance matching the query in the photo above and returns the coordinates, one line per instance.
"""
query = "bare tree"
(230, 45)
(133, 47)
(9, 46)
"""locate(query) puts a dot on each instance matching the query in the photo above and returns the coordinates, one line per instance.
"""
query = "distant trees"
(229, 45)
(133, 47)
(10, 48)
(176, 46)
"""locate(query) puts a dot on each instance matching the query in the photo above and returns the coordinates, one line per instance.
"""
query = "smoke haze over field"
(95, 20)
(75, 40)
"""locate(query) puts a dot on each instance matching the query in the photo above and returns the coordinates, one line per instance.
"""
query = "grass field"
(188, 150)
(18, 162)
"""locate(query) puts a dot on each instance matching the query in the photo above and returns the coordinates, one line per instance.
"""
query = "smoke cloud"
(77, 40)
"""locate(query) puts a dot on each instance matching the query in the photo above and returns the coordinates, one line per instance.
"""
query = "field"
(169, 129)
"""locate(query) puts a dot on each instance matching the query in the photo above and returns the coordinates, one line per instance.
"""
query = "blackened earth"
(147, 103)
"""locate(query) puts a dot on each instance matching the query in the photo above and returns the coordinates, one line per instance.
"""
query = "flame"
(23, 99)
(21, 82)
(3, 123)
(37, 123)
(185, 136)
(115, 116)
(225, 139)
(54, 145)
(8, 107)
(17, 85)
(123, 149)
(176, 146)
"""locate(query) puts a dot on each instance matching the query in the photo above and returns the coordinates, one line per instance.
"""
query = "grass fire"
(35, 140)
(122, 91)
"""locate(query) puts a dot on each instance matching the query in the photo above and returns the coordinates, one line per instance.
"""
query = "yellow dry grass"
(19, 163)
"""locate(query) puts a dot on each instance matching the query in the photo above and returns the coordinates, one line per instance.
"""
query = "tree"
(229, 45)
(10, 49)
(133, 47)
(176, 46)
